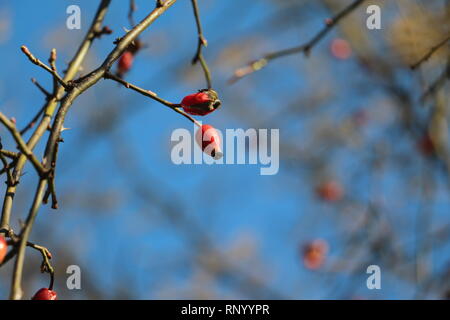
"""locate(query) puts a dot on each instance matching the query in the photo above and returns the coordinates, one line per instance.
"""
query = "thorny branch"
(73, 90)
(50, 108)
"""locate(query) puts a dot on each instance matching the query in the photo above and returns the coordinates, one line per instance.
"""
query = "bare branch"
(41, 88)
(23, 147)
(201, 43)
(430, 53)
(304, 48)
(175, 107)
(39, 63)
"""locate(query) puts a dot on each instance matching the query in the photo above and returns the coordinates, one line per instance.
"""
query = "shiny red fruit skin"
(208, 136)
(201, 103)
(125, 62)
(195, 98)
(3, 248)
(45, 294)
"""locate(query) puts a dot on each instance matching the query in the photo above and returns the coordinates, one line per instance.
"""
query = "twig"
(430, 53)
(11, 165)
(304, 48)
(6, 167)
(438, 83)
(23, 147)
(16, 290)
(103, 31)
(152, 95)
(52, 61)
(9, 154)
(131, 13)
(41, 88)
(46, 265)
(201, 43)
(34, 120)
(51, 189)
(39, 63)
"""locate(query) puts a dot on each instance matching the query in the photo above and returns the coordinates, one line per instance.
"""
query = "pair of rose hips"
(200, 104)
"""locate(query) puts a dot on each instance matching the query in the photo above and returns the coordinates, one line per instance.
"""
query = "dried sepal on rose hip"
(201, 103)
(209, 139)
(3, 248)
(45, 294)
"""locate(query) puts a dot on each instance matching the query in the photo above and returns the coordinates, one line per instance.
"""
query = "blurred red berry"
(125, 62)
(45, 294)
(201, 103)
(360, 118)
(314, 254)
(341, 49)
(3, 248)
(330, 191)
(426, 146)
(209, 139)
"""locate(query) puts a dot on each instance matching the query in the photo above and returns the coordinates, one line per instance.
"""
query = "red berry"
(360, 118)
(341, 49)
(45, 294)
(209, 139)
(314, 254)
(330, 191)
(201, 103)
(125, 62)
(426, 146)
(3, 248)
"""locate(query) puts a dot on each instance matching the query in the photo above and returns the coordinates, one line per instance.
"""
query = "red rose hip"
(125, 62)
(314, 254)
(3, 248)
(330, 191)
(45, 294)
(209, 140)
(201, 103)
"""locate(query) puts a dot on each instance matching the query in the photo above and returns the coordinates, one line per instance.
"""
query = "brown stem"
(201, 43)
